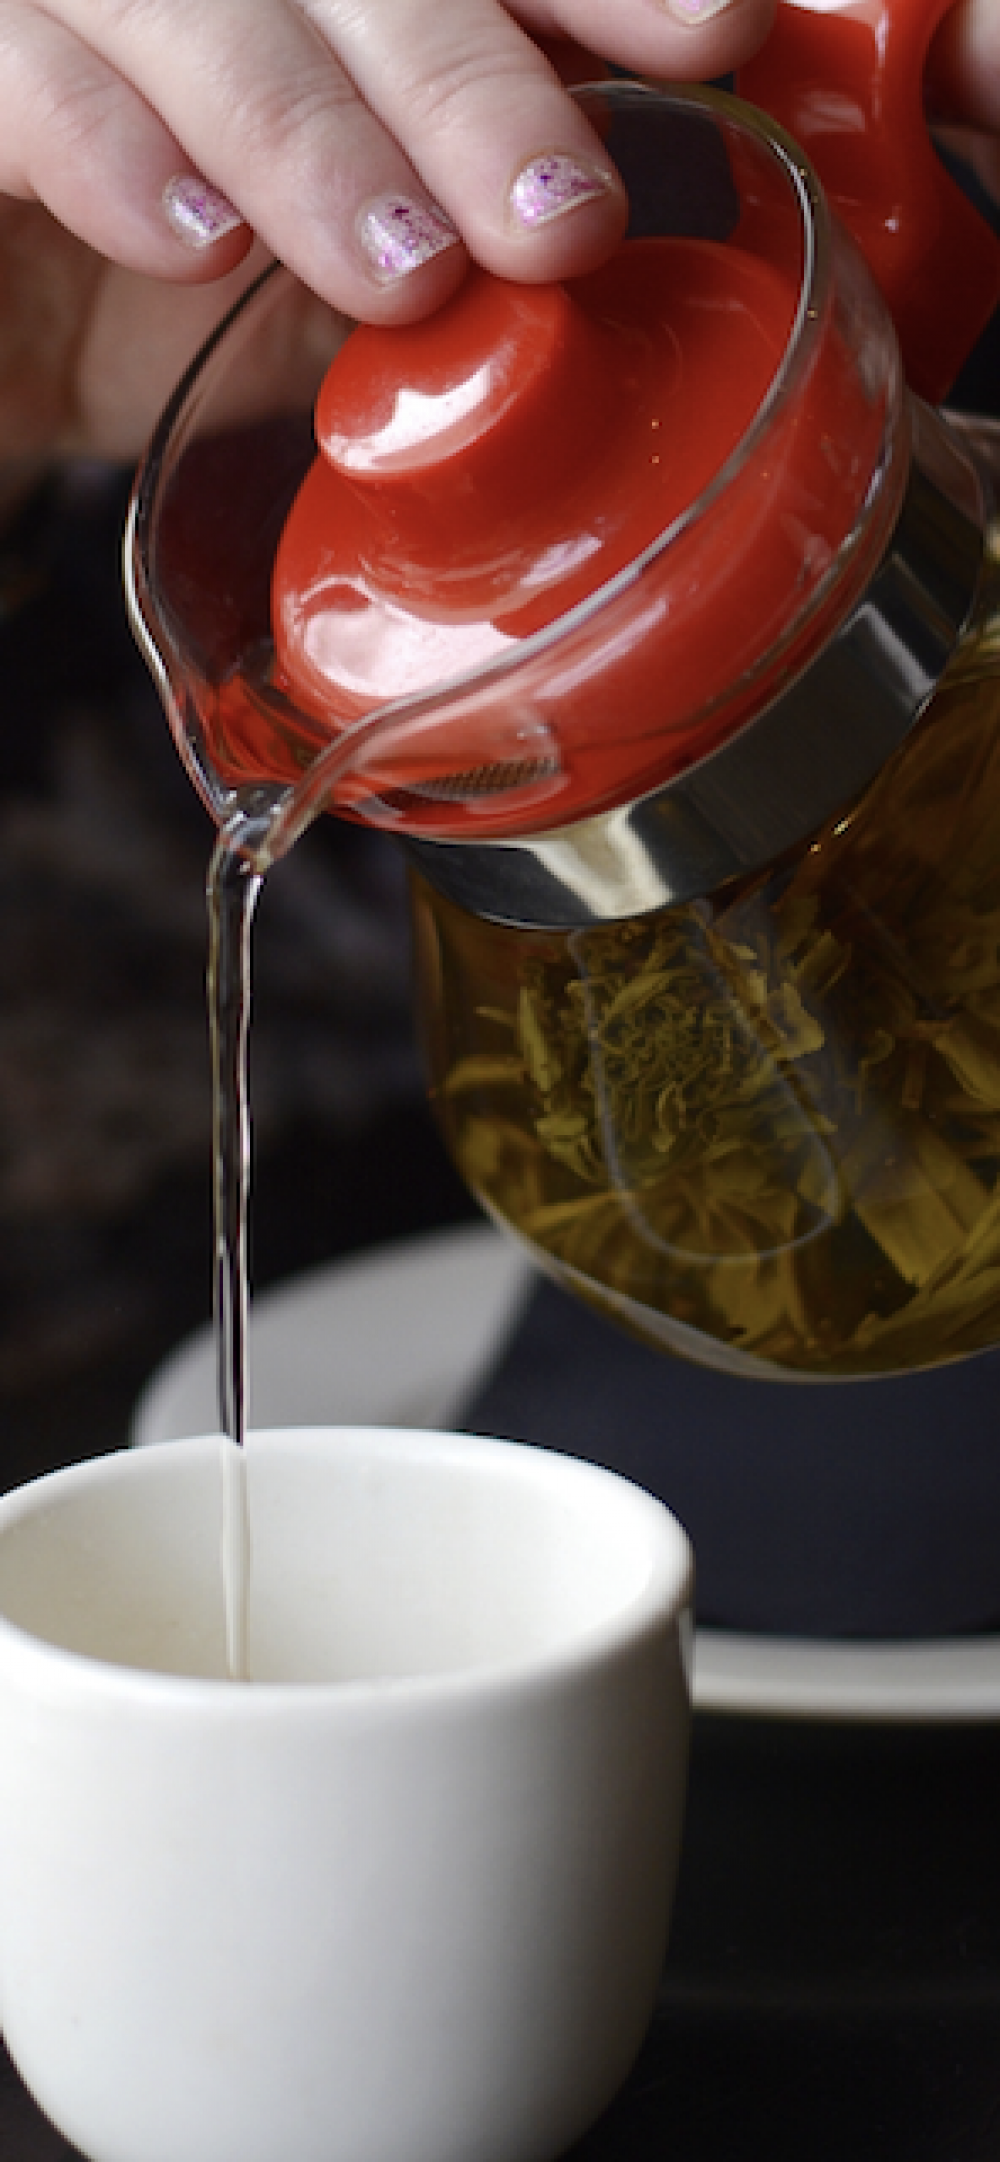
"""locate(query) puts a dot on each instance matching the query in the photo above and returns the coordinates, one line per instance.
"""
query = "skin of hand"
(154, 153)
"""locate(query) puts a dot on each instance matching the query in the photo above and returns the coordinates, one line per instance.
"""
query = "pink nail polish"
(198, 213)
(552, 185)
(398, 235)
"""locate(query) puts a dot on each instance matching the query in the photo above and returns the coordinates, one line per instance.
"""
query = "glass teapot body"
(762, 1127)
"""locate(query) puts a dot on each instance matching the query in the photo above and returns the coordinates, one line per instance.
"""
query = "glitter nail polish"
(552, 185)
(397, 235)
(198, 213)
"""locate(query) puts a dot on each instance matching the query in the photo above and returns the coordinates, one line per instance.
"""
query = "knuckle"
(57, 93)
(287, 120)
(439, 68)
(445, 91)
(68, 112)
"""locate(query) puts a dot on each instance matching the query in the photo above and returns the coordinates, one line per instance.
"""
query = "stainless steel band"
(802, 760)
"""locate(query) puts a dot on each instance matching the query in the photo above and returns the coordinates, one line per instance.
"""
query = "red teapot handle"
(847, 82)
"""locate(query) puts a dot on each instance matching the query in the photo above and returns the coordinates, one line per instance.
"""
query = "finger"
(269, 116)
(488, 125)
(344, 132)
(77, 139)
(458, 113)
(964, 68)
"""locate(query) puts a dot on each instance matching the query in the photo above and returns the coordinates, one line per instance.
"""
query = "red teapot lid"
(483, 472)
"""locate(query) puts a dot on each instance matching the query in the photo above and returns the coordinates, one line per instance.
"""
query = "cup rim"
(662, 1601)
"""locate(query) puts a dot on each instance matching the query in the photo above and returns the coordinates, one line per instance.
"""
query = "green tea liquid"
(763, 1128)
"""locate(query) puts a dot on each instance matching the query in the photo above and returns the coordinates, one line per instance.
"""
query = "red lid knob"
(847, 81)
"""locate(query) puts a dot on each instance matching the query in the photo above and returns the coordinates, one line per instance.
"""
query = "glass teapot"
(659, 618)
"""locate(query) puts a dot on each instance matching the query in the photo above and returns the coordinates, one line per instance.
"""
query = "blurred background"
(105, 1110)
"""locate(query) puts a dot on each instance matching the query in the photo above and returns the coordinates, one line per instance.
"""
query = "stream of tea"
(233, 888)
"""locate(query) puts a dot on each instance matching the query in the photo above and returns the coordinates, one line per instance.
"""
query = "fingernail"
(198, 213)
(695, 11)
(552, 185)
(397, 235)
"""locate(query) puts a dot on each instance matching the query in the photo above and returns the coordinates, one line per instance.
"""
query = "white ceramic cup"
(404, 1896)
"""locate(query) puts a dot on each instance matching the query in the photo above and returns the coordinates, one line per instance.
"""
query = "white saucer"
(399, 1336)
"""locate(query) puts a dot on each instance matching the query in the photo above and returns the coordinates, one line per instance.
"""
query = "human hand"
(152, 128)
(374, 145)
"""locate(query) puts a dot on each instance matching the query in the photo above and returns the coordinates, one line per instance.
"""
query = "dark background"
(105, 1254)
